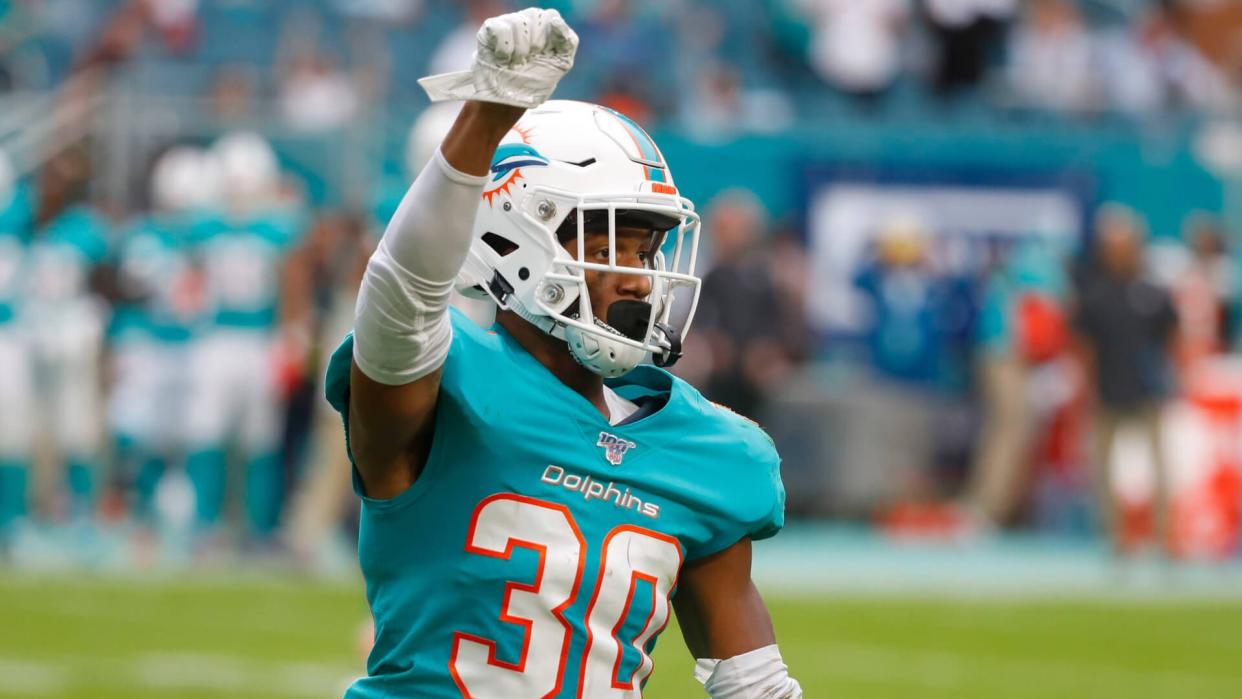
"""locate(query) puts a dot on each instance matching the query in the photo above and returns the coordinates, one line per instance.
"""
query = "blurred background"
(974, 265)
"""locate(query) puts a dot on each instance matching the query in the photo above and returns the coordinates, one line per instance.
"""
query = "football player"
(64, 319)
(535, 502)
(152, 321)
(234, 394)
(16, 389)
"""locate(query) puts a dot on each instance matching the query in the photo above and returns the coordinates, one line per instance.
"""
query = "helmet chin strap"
(671, 341)
(545, 323)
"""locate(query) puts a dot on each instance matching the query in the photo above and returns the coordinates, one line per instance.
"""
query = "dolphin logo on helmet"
(511, 156)
(507, 164)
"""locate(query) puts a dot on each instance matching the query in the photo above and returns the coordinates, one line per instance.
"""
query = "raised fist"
(520, 58)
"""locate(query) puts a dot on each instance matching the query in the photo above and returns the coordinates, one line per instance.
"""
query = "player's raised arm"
(401, 327)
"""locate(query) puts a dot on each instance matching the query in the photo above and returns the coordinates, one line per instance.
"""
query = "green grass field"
(124, 639)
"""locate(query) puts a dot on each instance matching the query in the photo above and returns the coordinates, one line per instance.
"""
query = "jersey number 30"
(630, 554)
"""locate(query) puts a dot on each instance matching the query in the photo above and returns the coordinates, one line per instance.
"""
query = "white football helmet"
(566, 166)
(249, 169)
(185, 178)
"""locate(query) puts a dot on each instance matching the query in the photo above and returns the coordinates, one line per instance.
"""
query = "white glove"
(520, 59)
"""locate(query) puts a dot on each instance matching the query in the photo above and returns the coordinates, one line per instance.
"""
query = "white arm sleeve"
(758, 674)
(401, 325)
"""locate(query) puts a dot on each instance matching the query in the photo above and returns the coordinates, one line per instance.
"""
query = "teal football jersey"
(156, 276)
(16, 219)
(537, 553)
(61, 257)
(241, 261)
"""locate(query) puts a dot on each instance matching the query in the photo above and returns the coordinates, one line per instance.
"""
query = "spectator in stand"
(1126, 326)
(316, 96)
(395, 12)
(739, 301)
(857, 46)
(702, 29)
(720, 106)
(176, 23)
(1215, 27)
(1050, 58)
(968, 34)
(1149, 67)
(232, 94)
(622, 96)
(626, 42)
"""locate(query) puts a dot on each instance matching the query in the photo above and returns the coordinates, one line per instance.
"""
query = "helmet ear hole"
(502, 245)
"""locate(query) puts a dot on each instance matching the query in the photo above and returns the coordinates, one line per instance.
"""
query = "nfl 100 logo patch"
(614, 447)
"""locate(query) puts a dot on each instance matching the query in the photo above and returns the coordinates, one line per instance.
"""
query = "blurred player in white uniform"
(151, 327)
(65, 321)
(16, 392)
(234, 405)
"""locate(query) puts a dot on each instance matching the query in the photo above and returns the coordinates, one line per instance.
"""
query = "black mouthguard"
(630, 318)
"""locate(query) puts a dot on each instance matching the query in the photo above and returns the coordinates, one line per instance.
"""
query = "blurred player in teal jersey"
(158, 299)
(64, 320)
(16, 391)
(535, 502)
(234, 398)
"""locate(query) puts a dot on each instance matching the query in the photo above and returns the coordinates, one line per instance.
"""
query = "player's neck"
(554, 354)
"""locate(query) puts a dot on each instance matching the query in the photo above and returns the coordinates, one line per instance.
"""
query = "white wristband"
(757, 674)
